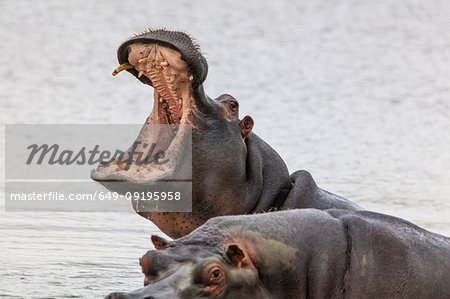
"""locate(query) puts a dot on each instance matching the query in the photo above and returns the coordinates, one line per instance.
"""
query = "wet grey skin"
(233, 170)
(305, 253)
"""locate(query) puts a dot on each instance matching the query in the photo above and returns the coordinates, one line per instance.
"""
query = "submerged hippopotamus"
(233, 170)
(326, 254)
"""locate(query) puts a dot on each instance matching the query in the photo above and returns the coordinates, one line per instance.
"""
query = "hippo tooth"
(161, 99)
(124, 66)
(191, 78)
(122, 165)
(172, 78)
(142, 60)
(164, 63)
(180, 101)
(140, 74)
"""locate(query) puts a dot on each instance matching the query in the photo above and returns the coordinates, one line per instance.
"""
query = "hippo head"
(172, 64)
(196, 271)
(232, 170)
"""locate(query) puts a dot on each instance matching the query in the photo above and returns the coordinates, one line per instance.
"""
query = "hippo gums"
(233, 170)
(327, 254)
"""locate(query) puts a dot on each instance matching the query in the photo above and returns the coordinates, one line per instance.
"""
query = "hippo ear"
(235, 254)
(246, 125)
(159, 242)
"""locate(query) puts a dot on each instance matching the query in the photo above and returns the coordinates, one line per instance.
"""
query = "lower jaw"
(153, 156)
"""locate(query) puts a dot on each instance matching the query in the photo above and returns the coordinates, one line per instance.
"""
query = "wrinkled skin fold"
(305, 253)
(233, 170)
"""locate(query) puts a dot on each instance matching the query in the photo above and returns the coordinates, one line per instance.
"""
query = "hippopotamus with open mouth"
(327, 254)
(233, 170)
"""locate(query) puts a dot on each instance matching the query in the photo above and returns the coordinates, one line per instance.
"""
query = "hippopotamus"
(302, 253)
(233, 170)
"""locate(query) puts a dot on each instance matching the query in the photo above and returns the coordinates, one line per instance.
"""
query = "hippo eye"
(233, 105)
(211, 277)
(215, 274)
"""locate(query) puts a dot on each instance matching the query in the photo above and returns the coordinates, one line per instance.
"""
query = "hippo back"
(391, 257)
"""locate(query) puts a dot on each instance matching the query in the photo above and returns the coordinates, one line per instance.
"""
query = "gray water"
(356, 92)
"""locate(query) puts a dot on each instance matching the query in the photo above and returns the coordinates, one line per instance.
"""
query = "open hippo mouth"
(172, 64)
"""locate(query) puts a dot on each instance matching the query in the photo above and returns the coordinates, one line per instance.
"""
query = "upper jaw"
(168, 74)
(178, 41)
(187, 63)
